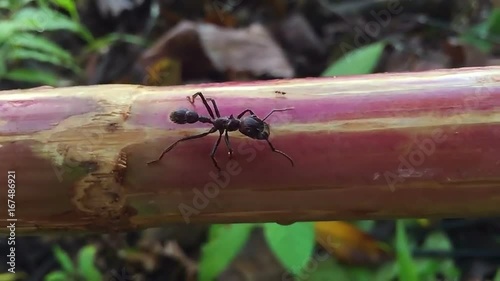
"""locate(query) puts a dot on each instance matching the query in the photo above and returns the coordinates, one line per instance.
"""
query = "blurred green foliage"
(24, 27)
(300, 235)
(484, 35)
(359, 61)
(224, 243)
(84, 270)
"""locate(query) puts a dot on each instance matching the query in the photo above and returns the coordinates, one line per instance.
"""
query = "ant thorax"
(233, 124)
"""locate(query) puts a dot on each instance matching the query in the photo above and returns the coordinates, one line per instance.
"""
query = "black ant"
(251, 126)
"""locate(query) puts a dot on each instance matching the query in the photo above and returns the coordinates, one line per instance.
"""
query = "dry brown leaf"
(247, 49)
(182, 44)
(202, 48)
(349, 244)
(299, 36)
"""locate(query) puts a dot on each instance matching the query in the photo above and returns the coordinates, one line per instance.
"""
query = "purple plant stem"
(375, 146)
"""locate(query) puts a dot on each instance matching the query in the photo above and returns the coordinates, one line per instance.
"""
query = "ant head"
(253, 127)
(183, 116)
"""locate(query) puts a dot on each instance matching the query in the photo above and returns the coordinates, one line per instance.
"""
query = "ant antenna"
(277, 110)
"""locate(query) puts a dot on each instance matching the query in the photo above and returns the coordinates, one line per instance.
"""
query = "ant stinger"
(250, 126)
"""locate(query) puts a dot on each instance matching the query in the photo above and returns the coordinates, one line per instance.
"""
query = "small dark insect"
(280, 92)
(251, 126)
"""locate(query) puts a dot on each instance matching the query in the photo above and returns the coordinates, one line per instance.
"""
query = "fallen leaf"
(298, 36)
(205, 48)
(181, 43)
(349, 244)
(246, 49)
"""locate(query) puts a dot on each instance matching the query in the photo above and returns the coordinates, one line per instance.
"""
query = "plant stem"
(365, 147)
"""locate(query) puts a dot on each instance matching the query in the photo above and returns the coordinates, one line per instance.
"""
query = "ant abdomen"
(183, 116)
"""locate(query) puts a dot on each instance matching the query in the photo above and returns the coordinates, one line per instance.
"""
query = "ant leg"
(245, 111)
(214, 149)
(181, 140)
(279, 151)
(226, 138)
(215, 106)
(191, 100)
(277, 110)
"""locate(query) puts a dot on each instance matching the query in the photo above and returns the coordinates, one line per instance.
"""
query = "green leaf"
(42, 3)
(109, 39)
(427, 269)
(485, 34)
(13, 5)
(497, 276)
(494, 22)
(430, 267)
(292, 244)
(25, 54)
(221, 249)
(388, 271)
(360, 61)
(326, 270)
(69, 6)
(449, 270)
(86, 266)
(37, 42)
(8, 276)
(437, 241)
(478, 37)
(57, 276)
(32, 76)
(5, 4)
(407, 271)
(359, 273)
(41, 19)
(7, 28)
(3, 67)
(64, 259)
(217, 229)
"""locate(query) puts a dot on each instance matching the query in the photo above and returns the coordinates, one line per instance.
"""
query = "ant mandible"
(250, 126)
